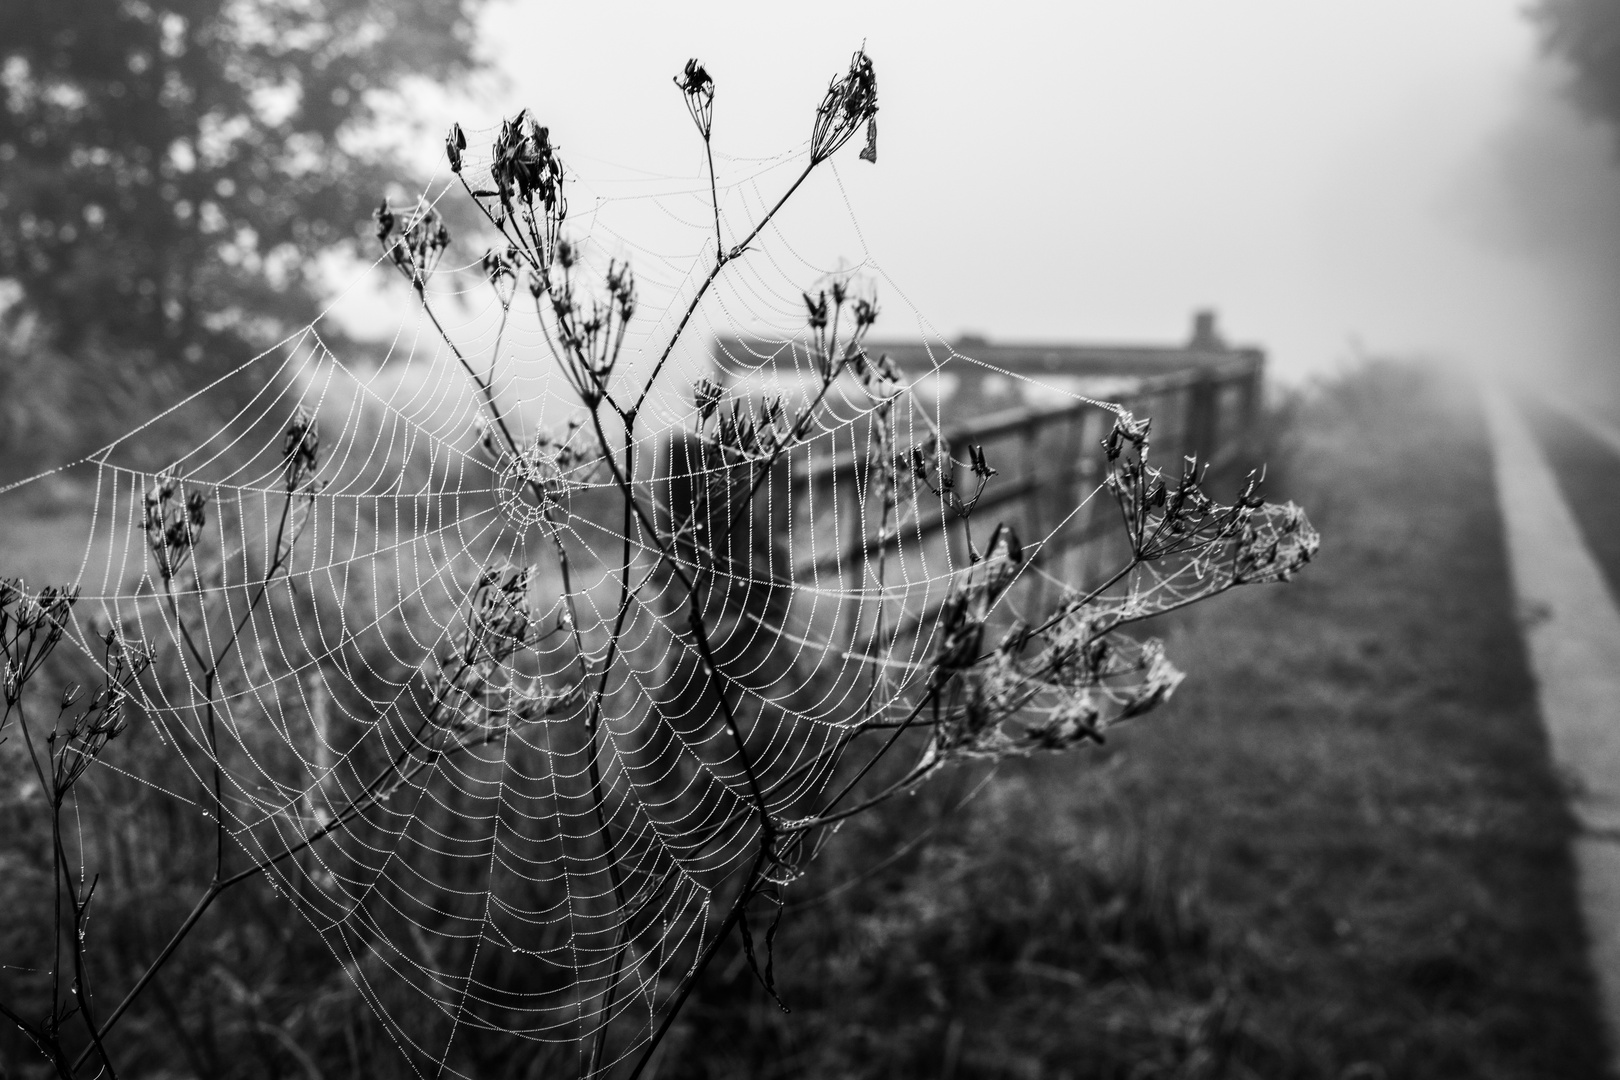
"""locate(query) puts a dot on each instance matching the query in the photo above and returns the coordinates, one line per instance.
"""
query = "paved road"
(1583, 450)
(1558, 480)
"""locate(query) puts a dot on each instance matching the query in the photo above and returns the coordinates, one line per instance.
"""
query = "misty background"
(1380, 176)
(1371, 178)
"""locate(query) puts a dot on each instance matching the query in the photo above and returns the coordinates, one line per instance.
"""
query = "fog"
(1375, 176)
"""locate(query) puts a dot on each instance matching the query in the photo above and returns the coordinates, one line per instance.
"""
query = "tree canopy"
(169, 167)
(1586, 34)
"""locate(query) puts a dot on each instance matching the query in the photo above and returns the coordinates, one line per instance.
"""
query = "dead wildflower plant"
(692, 771)
(31, 627)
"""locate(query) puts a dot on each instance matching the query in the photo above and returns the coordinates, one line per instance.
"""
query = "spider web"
(449, 691)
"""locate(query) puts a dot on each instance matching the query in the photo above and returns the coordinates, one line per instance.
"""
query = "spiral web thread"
(507, 850)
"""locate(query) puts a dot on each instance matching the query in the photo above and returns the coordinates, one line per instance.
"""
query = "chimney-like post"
(1206, 334)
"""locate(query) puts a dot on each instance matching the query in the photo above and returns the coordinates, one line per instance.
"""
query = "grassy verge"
(1340, 852)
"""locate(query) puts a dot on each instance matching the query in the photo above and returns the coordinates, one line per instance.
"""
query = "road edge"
(1571, 631)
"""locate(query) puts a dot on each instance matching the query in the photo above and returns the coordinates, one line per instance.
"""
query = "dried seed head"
(919, 464)
(455, 141)
(621, 285)
(384, 217)
(707, 396)
(300, 449)
(196, 501)
(817, 310)
(173, 519)
(421, 240)
(849, 102)
(501, 611)
(1276, 542)
(866, 313)
(698, 89)
(525, 165)
(981, 468)
(694, 80)
(1127, 430)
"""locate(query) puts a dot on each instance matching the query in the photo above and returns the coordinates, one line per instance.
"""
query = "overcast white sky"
(1398, 172)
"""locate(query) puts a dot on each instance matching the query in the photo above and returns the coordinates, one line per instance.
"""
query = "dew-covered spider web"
(528, 664)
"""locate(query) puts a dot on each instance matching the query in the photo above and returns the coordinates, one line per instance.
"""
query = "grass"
(1341, 852)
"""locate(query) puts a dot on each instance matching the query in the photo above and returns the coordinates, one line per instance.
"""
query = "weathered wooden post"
(1201, 432)
(1252, 397)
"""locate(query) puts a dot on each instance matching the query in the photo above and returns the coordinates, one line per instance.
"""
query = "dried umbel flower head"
(590, 325)
(706, 396)
(973, 595)
(300, 450)
(1126, 432)
(499, 615)
(11, 592)
(849, 102)
(1275, 543)
(816, 310)
(698, 89)
(525, 166)
(866, 313)
(839, 314)
(46, 610)
(30, 627)
(621, 285)
(1245, 541)
(104, 717)
(740, 437)
(174, 519)
(455, 141)
(981, 468)
(1168, 515)
(416, 247)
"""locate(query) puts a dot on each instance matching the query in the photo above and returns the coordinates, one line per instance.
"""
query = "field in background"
(1340, 852)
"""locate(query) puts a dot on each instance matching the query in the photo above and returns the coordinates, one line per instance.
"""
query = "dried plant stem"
(708, 280)
(733, 915)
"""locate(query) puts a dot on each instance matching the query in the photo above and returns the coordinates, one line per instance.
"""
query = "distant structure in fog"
(981, 375)
(989, 374)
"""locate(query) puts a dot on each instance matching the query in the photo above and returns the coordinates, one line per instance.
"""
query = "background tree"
(167, 172)
(1586, 34)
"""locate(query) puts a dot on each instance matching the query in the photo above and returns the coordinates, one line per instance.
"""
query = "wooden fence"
(1048, 460)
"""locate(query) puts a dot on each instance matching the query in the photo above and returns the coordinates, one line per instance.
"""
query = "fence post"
(1201, 422)
(1253, 383)
(850, 503)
